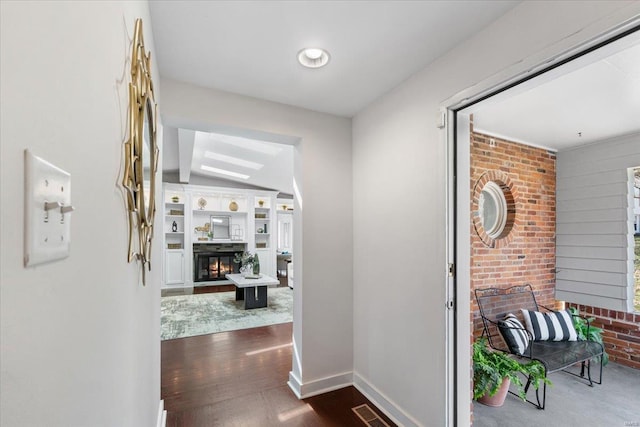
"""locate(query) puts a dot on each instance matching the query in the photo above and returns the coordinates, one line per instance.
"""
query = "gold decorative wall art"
(141, 155)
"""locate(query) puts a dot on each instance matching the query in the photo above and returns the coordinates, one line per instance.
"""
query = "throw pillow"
(552, 326)
(514, 334)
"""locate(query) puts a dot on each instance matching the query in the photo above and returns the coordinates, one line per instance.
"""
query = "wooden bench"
(495, 304)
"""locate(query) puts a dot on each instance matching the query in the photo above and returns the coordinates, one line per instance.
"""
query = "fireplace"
(212, 261)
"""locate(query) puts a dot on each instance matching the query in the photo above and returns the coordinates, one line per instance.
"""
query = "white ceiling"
(591, 99)
(250, 47)
(264, 164)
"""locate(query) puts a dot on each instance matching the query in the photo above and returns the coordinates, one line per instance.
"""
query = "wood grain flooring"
(239, 378)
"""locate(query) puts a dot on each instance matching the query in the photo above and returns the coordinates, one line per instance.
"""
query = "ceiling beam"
(186, 139)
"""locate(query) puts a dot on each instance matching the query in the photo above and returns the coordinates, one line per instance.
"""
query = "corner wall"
(621, 335)
(80, 337)
(323, 242)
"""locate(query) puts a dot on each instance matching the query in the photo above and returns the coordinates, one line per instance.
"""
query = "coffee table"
(252, 291)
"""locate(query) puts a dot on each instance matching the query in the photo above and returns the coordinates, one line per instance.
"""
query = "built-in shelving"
(251, 222)
(174, 238)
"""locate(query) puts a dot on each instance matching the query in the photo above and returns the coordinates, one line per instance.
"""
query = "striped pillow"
(514, 334)
(552, 326)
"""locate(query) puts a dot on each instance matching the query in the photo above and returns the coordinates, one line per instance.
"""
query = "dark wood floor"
(239, 378)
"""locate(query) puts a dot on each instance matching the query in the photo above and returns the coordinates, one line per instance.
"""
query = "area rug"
(189, 315)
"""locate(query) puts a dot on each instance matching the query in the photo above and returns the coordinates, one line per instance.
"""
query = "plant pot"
(497, 399)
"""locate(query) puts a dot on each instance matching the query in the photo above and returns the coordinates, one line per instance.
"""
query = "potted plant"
(588, 332)
(493, 371)
(246, 260)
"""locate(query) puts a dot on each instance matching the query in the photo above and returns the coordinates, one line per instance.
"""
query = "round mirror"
(492, 209)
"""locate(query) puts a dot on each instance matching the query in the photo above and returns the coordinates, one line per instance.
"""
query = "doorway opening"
(223, 214)
(550, 219)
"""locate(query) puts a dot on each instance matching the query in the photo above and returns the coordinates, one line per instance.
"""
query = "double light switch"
(47, 211)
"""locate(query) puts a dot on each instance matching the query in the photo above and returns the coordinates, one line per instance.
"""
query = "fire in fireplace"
(212, 261)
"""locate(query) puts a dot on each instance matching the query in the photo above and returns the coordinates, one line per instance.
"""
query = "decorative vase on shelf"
(261, 203)
(174, 226)
(202, 203)
(233, 206)
(256, 265)
(175, 199)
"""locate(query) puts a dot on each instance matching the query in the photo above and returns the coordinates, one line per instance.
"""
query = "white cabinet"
(174, 266)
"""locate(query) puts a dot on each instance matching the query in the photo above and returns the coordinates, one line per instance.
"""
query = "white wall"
(594, 243)
(323, 258)
(80, 336)
(399, 205)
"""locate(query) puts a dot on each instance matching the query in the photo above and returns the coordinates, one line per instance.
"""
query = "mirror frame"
(142, 108)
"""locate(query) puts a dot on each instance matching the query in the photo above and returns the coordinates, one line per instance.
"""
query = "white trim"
(295, 384)
(162, 415)
(450, 312)
(319, 386)
(384, 404)
(604, 30)
(463, 273)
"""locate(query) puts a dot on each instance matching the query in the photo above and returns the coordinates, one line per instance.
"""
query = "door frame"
(458, 230)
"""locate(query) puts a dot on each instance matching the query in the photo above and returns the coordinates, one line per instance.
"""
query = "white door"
(285, 232)
(174, 267)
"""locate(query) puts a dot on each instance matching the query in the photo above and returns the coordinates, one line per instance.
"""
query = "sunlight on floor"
(264, 350)
(287, 415)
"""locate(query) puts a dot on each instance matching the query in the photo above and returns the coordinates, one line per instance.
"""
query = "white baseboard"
(383, 403)
(162, 415)
(319, 386)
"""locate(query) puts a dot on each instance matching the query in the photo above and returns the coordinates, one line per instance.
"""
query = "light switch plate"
(47, 232)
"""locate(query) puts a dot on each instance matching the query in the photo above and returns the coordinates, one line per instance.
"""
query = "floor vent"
(370, 418)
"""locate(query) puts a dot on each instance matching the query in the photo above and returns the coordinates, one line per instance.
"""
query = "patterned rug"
(188, 315)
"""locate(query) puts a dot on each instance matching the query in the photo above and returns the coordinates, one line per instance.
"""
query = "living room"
(230, 202)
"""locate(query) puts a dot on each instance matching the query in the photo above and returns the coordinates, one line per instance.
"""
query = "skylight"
(233, 160)
(224, 172)
(247, 144)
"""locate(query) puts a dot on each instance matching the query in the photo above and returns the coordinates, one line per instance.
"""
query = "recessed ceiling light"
(313, 57)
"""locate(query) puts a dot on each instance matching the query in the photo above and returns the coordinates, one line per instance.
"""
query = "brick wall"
(621, 333)
(527, 254)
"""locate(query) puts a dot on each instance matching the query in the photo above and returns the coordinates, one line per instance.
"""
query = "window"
(492, 209)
